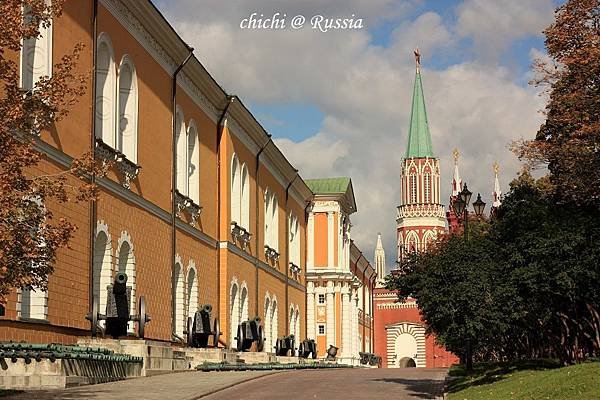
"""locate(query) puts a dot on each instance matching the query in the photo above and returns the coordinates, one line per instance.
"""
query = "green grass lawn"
(526, 380)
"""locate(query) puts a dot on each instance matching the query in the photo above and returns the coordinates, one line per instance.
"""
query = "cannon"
(364, 357)
(202, 327)
(331, 352)
(308, 347)
(117, 310)
(285, 346)
(374, 360)
(248, 332)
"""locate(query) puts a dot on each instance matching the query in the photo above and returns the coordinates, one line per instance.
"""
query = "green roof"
(419, 139)
(334, 186)
(328, 185)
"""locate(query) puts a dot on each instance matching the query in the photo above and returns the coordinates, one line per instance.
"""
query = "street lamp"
(478, 206)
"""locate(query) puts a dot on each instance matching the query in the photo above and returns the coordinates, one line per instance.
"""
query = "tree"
(29, 234)
(526, 286)
(568, 142)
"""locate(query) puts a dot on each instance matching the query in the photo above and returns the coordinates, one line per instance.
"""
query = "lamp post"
(460, 206)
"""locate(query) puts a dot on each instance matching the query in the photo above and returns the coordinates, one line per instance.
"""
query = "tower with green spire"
(419, 138)
(421, 217)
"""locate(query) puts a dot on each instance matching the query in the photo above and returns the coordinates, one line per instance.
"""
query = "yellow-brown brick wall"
(69, 284)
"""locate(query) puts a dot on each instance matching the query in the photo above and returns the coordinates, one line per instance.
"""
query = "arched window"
(236, 190)
(245, 198)
(193, 163)
(192, 291)
(427, 187)
(102, 268)
(268, 216)
(413, 188)
(106, 76)
(234, 316)
(178, 291)
(297, 324)
(181, 152)
(274, 230)
(244, 303)
(274, 325)
(412, 243)
(294, 238)
(128, 110)
(126, 264)
(267, 323)
(36, 53)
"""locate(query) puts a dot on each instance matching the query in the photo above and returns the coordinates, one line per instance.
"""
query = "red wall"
(435, 355)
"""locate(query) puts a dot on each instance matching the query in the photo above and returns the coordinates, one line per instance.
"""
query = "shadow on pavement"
(420, 388)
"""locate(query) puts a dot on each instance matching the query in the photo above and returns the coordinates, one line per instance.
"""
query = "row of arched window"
(105, 265)
(238, 308)
(411, 243)
(185, 295)
(270, 322)
(240, 211)
(413, 188)
(116, 119)
(187, 153)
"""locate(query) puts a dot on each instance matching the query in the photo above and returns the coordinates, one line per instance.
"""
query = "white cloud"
(494, 25)
(364, 91)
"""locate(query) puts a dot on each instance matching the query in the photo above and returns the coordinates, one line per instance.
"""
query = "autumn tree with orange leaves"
(29, 233)
(569, 140)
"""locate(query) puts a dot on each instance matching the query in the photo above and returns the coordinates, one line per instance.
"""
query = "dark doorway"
(407, 362)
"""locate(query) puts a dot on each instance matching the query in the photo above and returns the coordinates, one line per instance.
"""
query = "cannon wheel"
(94, 316)
(277, 347)
(240, 339)
(190, 332)
(216, 332)
(301, 350)
(142, 317)
(260, 344)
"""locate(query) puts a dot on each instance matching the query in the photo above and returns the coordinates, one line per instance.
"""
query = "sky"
(338, 102)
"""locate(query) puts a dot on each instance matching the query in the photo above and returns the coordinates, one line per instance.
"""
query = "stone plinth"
(159, 357)
(63, 373)
(256, 358)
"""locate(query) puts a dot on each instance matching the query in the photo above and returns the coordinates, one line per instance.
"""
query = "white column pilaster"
(356, 344)
(310, 311)
(346, 340)
(310, 256)
(330, 233)
(330, 315)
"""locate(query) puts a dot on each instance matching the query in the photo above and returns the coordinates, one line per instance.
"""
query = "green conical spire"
(419, 139)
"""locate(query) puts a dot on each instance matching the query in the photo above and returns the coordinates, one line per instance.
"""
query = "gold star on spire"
(455, 154)
(496, 168)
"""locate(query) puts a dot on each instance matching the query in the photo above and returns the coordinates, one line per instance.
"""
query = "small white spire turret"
(456, 181)
(380, 262)
(497, 192)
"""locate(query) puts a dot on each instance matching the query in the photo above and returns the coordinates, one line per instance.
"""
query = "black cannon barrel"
(207, 308)
(120, 283)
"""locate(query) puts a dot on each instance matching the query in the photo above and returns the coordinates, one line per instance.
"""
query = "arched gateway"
(405, 345)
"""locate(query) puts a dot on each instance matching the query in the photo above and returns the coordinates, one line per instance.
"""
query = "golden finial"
(496, 168)
(455, 154)
(417, 59)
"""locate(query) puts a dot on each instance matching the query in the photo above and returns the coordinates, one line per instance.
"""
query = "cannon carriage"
(202, 327)
(249, 332)
(370, 358)
(332, 353)
(307, 348)
(286, 346)
(117, 314)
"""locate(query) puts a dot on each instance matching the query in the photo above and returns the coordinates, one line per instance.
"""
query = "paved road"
(388, 384)
(372, 384)
(180, 386)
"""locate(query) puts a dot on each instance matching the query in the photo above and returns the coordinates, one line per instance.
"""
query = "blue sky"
(343, 97)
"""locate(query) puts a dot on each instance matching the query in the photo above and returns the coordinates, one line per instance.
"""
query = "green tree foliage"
(525, 286)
